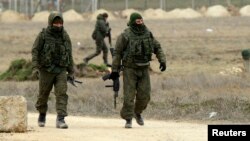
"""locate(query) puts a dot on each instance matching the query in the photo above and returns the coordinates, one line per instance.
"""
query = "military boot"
(128, 123)
(105, 60)
(139, 119)
(41, 120)
(107, 64)
(60, 123)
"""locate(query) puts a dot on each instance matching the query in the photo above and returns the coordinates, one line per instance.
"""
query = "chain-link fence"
(29, 7)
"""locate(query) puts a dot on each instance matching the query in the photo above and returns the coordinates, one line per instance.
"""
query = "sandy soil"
(97, 129)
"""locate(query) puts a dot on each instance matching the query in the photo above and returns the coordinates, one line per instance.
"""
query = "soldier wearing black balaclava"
(133, 50)
(52, 62)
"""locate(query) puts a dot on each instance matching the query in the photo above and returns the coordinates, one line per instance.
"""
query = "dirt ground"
(103, 129)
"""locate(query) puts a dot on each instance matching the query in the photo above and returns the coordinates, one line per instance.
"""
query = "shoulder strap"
(126, 33)
(43, 32)
(126, 36)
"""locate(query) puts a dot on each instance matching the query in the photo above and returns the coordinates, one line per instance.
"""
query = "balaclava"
(55, 17)
(55, 28)
(136, 28)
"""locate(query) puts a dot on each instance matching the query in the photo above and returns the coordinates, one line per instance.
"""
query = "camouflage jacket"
(52, 51)
(101, 28)
(135, 51)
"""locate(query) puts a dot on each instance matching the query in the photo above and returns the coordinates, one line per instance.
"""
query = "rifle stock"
(105, 77)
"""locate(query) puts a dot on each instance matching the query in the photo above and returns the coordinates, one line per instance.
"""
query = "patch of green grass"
(90, 70)
(19, 70)
(98, 67)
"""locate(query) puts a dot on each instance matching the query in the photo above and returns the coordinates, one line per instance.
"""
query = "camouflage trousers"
(100, 47)
(136, 91)
(46, 82)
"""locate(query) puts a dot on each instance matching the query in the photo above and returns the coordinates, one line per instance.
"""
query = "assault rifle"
(116, 82)
(116, 86)
(72, 81)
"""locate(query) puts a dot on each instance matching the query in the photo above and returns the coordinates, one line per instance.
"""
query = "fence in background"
(29, 7)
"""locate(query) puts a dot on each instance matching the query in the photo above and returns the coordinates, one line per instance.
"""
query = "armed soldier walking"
(102, 30)
(52, 61)
(134, 48)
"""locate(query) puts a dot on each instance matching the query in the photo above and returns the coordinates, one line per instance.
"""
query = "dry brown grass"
(191, 88)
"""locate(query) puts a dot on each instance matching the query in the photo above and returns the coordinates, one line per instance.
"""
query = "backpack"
(94, 35)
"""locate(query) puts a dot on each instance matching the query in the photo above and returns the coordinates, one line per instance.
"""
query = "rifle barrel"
(77, 81)
(115, 96)
(114, 102)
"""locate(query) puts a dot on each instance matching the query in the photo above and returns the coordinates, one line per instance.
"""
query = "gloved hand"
(163, 66)
(107, 24)
(35, 74)
(109, 30)
(70, 77)
(114, 75)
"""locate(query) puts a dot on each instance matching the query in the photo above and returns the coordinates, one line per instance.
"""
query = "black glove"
(107, 24)
(109, 30)
(70, 77)
(114, 75)
(163, 66)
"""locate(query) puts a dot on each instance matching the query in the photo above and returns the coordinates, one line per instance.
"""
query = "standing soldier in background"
(134, 48)
(51, 60)
(102, 30)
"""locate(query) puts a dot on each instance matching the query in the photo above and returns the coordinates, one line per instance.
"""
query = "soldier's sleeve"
(119, 47)
(70, 68)
(158, 51)
(107, 24)
(108, 27)
(103, 27)
(36, 49)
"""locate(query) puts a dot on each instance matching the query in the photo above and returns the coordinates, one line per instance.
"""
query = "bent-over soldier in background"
(101, 31)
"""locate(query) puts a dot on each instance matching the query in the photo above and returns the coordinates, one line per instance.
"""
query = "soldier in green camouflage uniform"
(101, 31)
(52, 61)
(133, 50)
